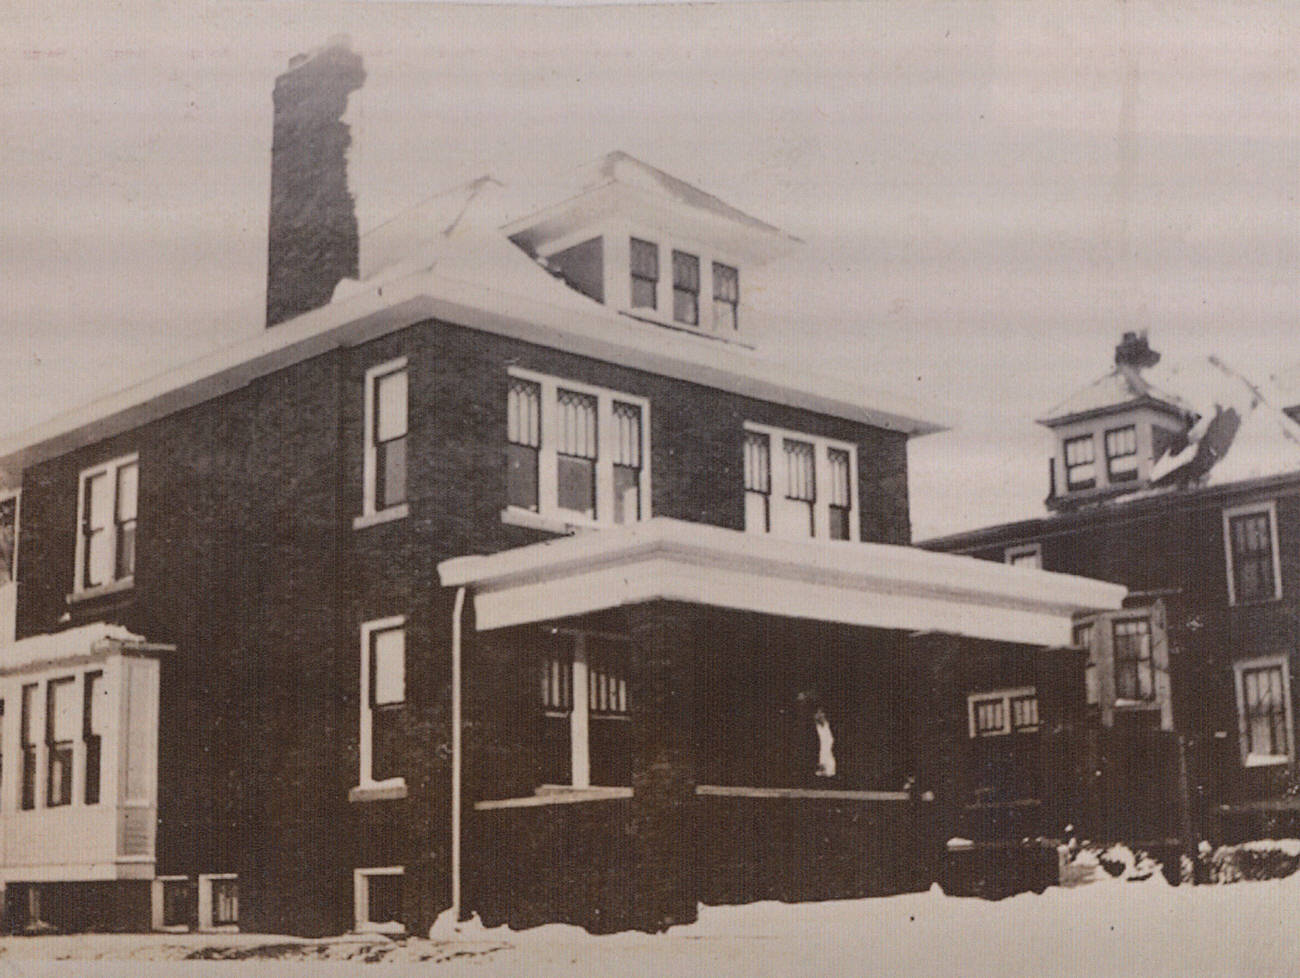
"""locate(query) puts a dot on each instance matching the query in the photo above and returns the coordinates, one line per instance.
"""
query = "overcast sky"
(988, 193)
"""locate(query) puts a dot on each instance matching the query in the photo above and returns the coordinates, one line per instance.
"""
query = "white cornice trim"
(384, 307)
(876, 585)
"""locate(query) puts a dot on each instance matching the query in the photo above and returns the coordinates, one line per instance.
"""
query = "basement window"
(377, 899)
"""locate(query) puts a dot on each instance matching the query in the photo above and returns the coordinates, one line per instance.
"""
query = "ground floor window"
(377, 896)
(1003, 711)
(1264, 710)
(585, 706)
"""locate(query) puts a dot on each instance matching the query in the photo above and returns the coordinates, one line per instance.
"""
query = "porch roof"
(82, 643)
(869, 584)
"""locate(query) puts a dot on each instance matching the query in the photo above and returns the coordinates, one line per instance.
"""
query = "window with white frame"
(1003, 711)
(1083, 636)
(799, 485)
(584, 678)
(574, 452)
(27, 743)
(8, 537)
(1026, 555)
(645, 274)
(383, 697)
(726, 298)
(1131, 652)
(94, 721)
(1250, 543)
(107, 519)
(386, 426)
(1080, 462)
(218, 899)
(60, 733)
(1264, 710)
(377, 898)
(1121, 454)
(686, 288)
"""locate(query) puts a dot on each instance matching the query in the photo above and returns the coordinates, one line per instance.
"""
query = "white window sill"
(1137, 704)
(87, 594)
(398, 512)
(382, 791)
(548, 522)
(220, 929)
(1265, 760)
(392, 928)
(556, 795)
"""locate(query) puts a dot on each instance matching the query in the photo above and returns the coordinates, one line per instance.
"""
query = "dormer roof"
(1121, 389)
(618, 184)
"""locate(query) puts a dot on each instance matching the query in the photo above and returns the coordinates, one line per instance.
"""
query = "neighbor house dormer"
(1109, 434)
(652, 247)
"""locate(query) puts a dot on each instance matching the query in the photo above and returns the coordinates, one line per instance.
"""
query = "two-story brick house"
(1185, 489)
(497, 574)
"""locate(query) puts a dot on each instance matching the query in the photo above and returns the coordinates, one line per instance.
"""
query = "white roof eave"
(373, 310)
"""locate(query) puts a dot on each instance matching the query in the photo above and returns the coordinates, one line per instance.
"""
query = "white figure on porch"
(825, 745)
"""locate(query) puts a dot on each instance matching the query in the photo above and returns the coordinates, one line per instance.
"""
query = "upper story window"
(386, 425)
(726, 298)
(1080, 463)
(686, 288)
(1250, 542)
(1121, 454)
(1134, 670)
(8, 537)
(799, 485)
(106, 542)
(1027, 555)
(383, 695)
(1264, 710)
(575, 452)
(645, 274)
(1003, 711)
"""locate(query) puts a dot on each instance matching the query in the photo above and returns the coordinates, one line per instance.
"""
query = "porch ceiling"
(871, 584)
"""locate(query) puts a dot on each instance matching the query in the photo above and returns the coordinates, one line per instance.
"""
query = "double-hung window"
(575, 453)
(799, 485)
(106, 542)
(726, 298)
(686, 288)
(27, 743)
(383, 696)
(1250, 541)
(8, 537)
(1264, 709)
(1083, 633)
(60, 732)
(386, 425)
(1134, 671)
(645, 274)
(1121, 454)
(584, 682)
(94, 717)
(1080, 463)
(1002, 711)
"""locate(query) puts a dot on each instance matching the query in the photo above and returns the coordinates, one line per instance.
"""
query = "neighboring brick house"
(1187, 493)
(310, 635)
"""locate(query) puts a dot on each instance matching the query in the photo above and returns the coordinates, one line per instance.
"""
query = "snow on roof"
(71, 643)
(465, 270)
(1241, 432)
(1123, 385)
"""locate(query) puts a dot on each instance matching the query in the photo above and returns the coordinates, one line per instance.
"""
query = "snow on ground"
(1111, 927)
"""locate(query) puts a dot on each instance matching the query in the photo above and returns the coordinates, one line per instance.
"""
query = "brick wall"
(248, 563)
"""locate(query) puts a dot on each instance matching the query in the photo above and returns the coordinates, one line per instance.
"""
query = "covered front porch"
(673, 714)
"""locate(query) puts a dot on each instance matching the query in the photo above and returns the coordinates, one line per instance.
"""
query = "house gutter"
(457, 615)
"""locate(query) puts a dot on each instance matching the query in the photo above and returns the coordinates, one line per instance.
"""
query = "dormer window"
(726, 298)
(686, 288)
(1080, 463)
(645, 274)
(1121, 454)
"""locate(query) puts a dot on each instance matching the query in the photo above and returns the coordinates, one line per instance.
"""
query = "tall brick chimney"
(313, 240)
(1135, 351)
